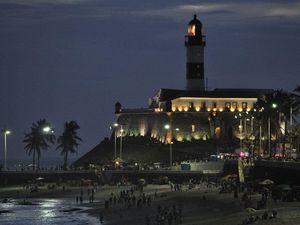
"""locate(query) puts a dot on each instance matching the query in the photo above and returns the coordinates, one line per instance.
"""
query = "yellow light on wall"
(232, 109)
(248, 109)
(240, 110)
(173, 109)
(221, 109)
(197, 108)
(179, 137)
(214, 109)
(179, 108)
(193, 128)
(208, 109)
(186, 109)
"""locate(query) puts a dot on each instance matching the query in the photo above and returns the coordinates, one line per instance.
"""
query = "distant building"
(194, 113)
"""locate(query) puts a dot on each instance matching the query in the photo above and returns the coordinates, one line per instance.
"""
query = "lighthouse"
(195, 43)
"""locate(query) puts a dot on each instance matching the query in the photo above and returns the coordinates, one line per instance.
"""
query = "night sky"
(73, 59)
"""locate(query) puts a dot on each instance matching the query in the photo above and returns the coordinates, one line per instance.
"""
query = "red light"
(242, 154)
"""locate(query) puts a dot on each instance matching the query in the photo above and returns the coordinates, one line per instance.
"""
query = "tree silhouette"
(40, 138)
(68, 142)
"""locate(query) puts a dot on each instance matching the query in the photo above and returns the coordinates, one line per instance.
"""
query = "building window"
(234, 105)
(227, 105)
(244, 105)
(191, 105)
(203, 105)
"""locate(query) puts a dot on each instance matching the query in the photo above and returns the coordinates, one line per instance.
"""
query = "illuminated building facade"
(193, 113)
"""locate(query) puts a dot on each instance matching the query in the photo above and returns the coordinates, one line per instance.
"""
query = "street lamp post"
(252, 118)
(269, 136)
(241, 133)
(274, 105)
(5, 133)
(121, 144)
(115, 146)
(252, 137)
(171, 154)
(291, 128)
(260, 146)
(168, 127)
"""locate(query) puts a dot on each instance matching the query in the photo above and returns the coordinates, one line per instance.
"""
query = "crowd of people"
(121, 203)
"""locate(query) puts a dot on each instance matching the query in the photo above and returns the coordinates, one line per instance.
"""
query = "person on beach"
(106, 204)
(264, 216)
(158, 209)
(273, 214)
(180, 212)
(101, 217)
(170, 218)
(204, 201)
(236, 195)
(121, 214)
(92, 197)
(175, 215)
(149, 201)
(147, 220)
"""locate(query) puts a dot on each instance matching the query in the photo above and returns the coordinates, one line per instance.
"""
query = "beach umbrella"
(286, 189)
(267, 182)
(250, 210)
(226, 177)
(86, 180)
(229, 176)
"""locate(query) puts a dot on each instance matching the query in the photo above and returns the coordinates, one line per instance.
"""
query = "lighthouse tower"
(194, 43)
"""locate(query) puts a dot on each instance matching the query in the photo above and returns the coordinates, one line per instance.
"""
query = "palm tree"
(275, 108)
(296, 100)
(40, 138)
(68, 142)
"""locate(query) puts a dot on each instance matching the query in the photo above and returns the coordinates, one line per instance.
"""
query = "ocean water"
(46, 212)
(45, 162)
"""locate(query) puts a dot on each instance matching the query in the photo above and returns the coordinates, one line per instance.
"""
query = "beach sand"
(217, 209)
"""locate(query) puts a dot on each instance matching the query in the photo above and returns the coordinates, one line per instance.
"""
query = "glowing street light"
(121, 141)
(115, 126)
(168, 127)
(274, 106)
(241, 133)
(5, 133)
(47, 130)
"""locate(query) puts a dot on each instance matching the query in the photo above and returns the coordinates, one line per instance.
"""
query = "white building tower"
(194, 43)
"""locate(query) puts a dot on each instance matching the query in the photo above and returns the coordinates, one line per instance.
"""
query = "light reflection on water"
(48, 212)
